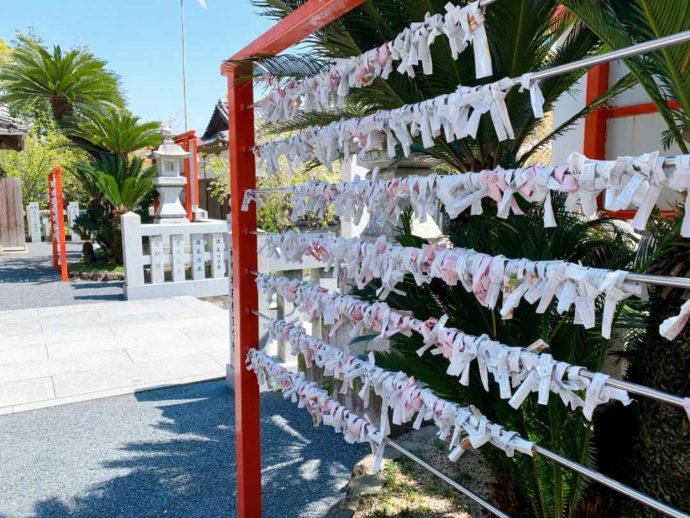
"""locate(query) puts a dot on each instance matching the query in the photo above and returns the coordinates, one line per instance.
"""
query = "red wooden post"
(595, 122)
(189, 142)
(594, 145)
(51, 181)
(64, 274)
(310, 17)
(57, 222)
(244, 259)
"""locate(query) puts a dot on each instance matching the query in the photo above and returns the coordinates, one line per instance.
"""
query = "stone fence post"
(132, 250)
(72, 215)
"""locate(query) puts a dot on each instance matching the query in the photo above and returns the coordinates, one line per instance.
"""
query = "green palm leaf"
(65, 83)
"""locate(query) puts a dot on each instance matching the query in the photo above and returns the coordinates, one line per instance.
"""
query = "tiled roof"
(12, 130)
(218, 122)
(10, 125)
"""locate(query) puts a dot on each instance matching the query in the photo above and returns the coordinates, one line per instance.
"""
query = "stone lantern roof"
(168, 149)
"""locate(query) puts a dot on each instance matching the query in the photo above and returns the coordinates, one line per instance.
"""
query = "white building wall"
(633, 135)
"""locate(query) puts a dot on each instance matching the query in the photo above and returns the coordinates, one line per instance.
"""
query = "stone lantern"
(170, 161)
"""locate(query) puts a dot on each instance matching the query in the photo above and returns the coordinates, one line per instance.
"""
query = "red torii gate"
(308, 18)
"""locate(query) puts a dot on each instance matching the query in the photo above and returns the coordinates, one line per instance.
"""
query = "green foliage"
(274, 213)
(116, 131)
(66, 83)
(664, 74)
(5, 51)
(43, 150)
(121, 184)
(542, 487)
(522, 35)
(116, 186)
(76, 107)
(645, 445)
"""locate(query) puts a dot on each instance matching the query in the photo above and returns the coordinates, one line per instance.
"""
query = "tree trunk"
(660, 458)
(116, 251)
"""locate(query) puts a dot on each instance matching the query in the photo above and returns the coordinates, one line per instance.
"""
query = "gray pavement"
(27, 280)
(166, 452)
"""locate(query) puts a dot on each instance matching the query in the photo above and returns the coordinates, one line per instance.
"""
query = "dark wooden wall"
(216, 209)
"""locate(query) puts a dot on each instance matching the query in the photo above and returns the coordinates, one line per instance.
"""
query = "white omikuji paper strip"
(412, 47)
(484, 275)
(626, 181)
(455, 116)
(403, 395)
(321, 407)
(518, 372)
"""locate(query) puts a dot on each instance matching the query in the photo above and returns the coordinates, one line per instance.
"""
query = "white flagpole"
(184, 67)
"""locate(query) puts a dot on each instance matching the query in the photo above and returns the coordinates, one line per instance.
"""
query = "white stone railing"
(165, 260)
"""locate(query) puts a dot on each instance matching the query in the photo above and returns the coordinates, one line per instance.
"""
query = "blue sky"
(140, 39)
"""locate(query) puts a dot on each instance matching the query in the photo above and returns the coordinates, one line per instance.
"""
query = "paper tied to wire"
(536, 97)
(456, 115)
(403, 399)
(489, 278)
(512, 368)
(672, 326)
(680, 182)
(323, 409)
(410, 50)
(625, 182)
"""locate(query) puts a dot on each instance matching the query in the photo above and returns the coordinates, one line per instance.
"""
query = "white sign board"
(72, 215)
(33, 216)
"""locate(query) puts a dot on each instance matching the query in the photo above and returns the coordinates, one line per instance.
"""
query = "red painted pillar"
(51, 190)
(245, 296)
(308, 18)
(594, 145)
(64, 274)
(189, 142)
(57, 222)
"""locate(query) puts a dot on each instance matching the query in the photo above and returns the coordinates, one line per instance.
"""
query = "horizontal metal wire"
(633, 388)
(627, 52)
(486, 505)
(581, 469)
(643, 278)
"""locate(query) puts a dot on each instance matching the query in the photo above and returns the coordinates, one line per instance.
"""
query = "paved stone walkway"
(167, 452)
(50, 356)
(62, 342)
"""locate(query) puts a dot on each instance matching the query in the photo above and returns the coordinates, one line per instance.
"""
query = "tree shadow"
(187, 466)
(91, 290)
(27, 270)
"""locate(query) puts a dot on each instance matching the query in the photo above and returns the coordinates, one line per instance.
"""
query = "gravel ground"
(165, 452)
(27, 280)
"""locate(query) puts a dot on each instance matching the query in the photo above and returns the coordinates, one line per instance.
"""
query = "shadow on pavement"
(192, 474)
(27, 269)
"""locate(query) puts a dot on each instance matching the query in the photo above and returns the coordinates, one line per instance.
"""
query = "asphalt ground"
(167, 452)
(28, 280)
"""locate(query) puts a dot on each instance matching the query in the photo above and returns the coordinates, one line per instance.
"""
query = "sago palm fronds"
(665, 74)
(117, 131)
(525, 35)
(66, 83)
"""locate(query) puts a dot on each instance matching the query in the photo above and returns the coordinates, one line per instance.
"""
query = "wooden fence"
(11, 215)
